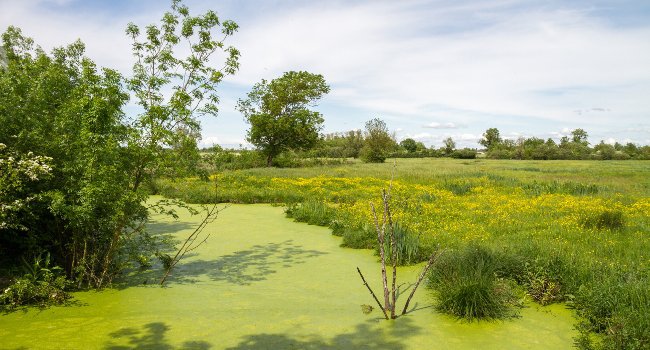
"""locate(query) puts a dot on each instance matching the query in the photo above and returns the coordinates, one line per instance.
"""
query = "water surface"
(262, 281)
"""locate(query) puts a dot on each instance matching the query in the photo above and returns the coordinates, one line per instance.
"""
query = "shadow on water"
(365, 336)
(247, 266)
(151, 336)
(169, 228)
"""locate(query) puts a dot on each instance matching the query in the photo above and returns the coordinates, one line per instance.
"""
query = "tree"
(378, 142)
(410, 145)
(579, 136)
(61, 107)
(450, 145)
(169, 120)
(491, 138)
(278, 115)
(353, 143)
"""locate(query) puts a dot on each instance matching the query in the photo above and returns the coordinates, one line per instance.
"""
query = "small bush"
(465, 153)
(311, 212)
(458, 188)
(40, 285)
(467, 285)
(607, 219)
(359, 238)
(573, 188)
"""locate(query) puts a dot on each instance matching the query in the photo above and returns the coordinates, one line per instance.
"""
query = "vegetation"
(552, 226)
(576, 147)
(73, 164)
(377, 143)
(278, 115)
(40, 284)
(468, 285)
(75, 173)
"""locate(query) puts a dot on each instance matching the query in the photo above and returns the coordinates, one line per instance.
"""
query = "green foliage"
(467, 285)
(465, 153)
(491, 139)
(603, 274)
(359, 238)
(568, 187)
(165, 259)
(311, 212)
(409, 250)
(410, 145)
(378, 142)
(220, 159)
(17, 173)
(60, 107)
(40, 284)
(278, 115)
(607, 219)
(168, 127)
(450, 146)
(73, 164)
(458, 188)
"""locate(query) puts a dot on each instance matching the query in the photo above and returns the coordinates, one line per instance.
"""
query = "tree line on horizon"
(376, 143)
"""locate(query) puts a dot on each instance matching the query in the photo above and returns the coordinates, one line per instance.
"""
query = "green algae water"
(262, 281)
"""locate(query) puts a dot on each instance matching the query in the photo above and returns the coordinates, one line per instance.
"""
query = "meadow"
(576, 232)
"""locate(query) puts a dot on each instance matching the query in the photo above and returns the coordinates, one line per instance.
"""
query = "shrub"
(311, 212)
(467, 285)
(607, 219)
(359, 238)
(465, 153)
(40, 285)
(458, 188)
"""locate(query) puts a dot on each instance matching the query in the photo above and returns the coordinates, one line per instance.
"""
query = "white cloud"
(467, 64)
(436, 125)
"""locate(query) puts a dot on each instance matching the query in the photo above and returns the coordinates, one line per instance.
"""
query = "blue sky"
(430, 69)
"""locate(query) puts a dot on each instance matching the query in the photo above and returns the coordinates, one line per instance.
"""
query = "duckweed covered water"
(265, 282)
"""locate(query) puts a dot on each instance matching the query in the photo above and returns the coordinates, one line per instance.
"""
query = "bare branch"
(373, 293)
(432, 259)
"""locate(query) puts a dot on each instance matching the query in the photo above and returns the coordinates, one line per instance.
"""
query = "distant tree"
(353, 143)
(409, 145)
(465, 153)
(606, 151)
(450, 145)
(631, 149)
(579, 136)
(3, 58)
(491, 138)
(278, 115)
(378, 142)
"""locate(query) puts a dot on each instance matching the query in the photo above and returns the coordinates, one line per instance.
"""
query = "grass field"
(572, 231)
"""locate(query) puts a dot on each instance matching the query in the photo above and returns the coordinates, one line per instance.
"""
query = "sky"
(429, 69)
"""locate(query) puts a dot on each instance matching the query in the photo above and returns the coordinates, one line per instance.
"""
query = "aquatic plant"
(467, 285)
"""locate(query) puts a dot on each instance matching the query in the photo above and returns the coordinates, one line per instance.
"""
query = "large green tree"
(278, 113)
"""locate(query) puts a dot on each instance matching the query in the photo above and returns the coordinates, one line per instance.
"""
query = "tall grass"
(468, 286)
(565, 231)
